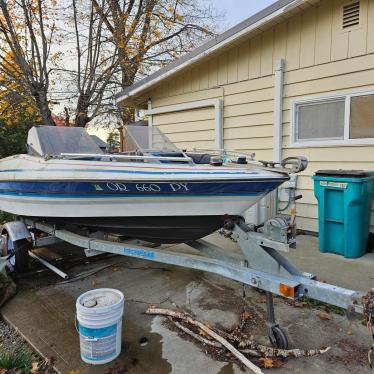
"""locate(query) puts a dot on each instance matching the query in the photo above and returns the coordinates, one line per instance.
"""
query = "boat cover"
(53, 140)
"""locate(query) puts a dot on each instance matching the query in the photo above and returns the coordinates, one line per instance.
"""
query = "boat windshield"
(53, 140)
(76, 143)
(136, 138)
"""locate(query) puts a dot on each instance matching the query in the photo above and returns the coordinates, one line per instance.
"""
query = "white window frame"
(328, 142)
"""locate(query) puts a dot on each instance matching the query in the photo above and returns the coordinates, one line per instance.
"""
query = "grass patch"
(21, 360)
(327, 307)
(6, 217)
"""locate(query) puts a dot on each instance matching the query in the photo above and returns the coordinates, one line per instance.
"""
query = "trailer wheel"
(21, 253)
(278, 338)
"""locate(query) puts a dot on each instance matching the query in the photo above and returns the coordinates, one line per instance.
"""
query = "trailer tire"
(21, 253)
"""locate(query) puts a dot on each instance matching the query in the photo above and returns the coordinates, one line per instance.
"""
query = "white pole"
(278, 124)
(278, 110)
(49, 265)
(150, 125)
(218, 115)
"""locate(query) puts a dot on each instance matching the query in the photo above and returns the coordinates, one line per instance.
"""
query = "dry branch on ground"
(239, 346)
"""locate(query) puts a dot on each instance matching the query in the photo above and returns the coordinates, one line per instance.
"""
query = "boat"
(156, 195)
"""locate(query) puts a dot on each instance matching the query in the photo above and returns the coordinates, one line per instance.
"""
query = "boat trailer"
(260, 265)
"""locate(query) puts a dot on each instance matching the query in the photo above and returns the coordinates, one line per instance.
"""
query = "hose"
(290, 198)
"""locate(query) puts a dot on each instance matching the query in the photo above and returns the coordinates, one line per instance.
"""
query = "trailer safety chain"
(226, 234)
(368, 303)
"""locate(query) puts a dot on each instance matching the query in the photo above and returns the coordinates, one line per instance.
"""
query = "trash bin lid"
(345, 173)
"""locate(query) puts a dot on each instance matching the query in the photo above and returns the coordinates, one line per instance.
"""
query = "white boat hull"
(128, 207)
(178, 202)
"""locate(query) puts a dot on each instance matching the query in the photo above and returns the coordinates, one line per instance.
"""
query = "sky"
(238, 10)
(235, 11)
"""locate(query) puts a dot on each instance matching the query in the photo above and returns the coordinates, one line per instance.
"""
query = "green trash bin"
(344, 206)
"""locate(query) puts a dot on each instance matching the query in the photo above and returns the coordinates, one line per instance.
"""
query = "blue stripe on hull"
(112, 189)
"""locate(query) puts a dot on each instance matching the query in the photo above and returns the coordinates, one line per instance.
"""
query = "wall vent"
(351, 15)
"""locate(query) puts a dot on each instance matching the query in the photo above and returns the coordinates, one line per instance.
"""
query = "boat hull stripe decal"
(125, 189)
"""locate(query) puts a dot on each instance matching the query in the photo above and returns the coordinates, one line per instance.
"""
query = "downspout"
(278, 123)
(218, 115)
(278, 110)
(150, 125)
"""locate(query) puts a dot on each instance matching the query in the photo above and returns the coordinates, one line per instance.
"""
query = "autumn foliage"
(15, 103)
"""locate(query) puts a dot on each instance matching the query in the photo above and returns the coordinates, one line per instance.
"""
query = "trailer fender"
(16, 230)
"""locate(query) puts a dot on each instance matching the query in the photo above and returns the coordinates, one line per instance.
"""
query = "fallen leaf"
(246, 315)
(118, 368)
(50, 360)
(34, 367)
(3, 371)
(323, 316)
(202, 333)
(296, 303)
(349, 332)
(74, 372)
(268, 363)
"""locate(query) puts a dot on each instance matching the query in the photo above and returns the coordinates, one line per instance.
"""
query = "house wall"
(321, 59)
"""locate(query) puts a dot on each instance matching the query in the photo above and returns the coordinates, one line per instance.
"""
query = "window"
(322, 120)
(344, 119)
(362, 117)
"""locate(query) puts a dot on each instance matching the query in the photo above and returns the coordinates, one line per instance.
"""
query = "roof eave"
(168, 72)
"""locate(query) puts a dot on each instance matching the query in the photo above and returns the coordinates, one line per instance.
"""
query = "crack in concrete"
(189, 294)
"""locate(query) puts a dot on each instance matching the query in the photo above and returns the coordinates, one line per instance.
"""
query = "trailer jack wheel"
(278, 338)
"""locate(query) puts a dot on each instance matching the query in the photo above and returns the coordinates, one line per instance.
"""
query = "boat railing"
(130, 158)
(227, 152)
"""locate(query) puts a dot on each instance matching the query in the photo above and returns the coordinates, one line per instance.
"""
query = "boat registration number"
(142, 187)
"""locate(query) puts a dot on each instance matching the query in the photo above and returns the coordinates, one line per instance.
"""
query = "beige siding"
(243, 61)
(267, 51)
(370, 31)
(313, 37)
(188, 129)
(308, 37)
(255, 57)
(322, 59)
(293, 44)
(323, 33)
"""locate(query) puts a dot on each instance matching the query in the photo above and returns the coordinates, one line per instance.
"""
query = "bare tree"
(150, 33)
(26, 34)
(113, 42)
(28, 31)
(95, 64)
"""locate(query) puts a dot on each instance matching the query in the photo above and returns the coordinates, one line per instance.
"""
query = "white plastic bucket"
(99, 316)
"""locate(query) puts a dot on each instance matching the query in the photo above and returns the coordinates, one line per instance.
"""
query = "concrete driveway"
(44, 312)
